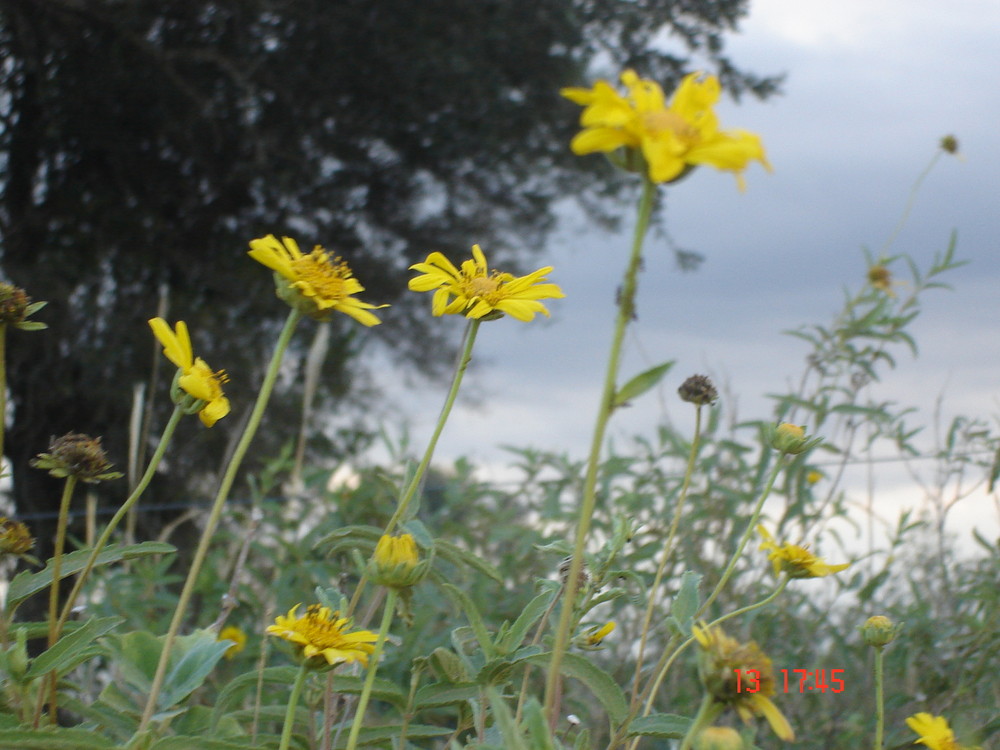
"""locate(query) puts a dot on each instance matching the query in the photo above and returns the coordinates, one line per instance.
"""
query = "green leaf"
(443, 694)
(197, 743)
(371, 735)
(192, 659)
(600, 683)
(662, 726)
(228, 697)
(69, 651)
(504, 720)
(686, 601)
(538, 728)
(56, 738)
(640, 384)
(348, 537)
(26, 583)
(458, 556)
(466, 604)
(528, 617)
(31, 325)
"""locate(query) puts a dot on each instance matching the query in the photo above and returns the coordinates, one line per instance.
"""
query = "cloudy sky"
(872, 86)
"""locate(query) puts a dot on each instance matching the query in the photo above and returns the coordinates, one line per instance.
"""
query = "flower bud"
(790, 438)
(879, 631)
(719, 738)
(591, 638)
(16, 306)
(699, 390)
(396, 562)
(949, 144)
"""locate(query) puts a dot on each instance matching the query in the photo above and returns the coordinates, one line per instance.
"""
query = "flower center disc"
(326, 278)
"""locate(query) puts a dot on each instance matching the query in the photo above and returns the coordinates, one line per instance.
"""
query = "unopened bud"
(879, 631)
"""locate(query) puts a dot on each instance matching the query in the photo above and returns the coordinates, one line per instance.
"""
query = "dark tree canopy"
(142, 144)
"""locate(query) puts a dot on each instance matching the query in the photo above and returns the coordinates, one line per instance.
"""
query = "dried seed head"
(698, 389)
(14, 303)
(76, 455)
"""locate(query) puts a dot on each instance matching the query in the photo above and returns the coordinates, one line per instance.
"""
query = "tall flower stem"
(293, 703)
(57, 553)
(411, 489)
(626, 312)
(132, 499)
(3, 389)
(754, 517)
(366, 691)
(213, 519)
(879, 701)
(667, 549)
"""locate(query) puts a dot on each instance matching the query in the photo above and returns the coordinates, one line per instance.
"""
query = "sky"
(871, 87)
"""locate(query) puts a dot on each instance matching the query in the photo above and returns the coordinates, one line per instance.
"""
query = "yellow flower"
(934, 731)
(196, 378)
(321, 635)
(479, 292)
(718, 661)
(315, 283)
(674, 138)
(237, 636)
(797, 561)
(814, 476)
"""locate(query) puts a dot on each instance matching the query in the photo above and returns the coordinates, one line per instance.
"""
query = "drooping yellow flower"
(934, 732)
(596, 635)
(797, 561)
(718, 661)
(315, 283)
(674, 138)
(237, 636)
(478, 291)
(322, 635)
(196, 378)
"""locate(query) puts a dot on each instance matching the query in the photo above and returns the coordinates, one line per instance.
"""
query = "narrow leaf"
(600, 683)
(68, 652)
(640, 384)
(26, 583)
(662, 726)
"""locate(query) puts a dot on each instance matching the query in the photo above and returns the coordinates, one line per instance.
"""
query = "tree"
(143, 144)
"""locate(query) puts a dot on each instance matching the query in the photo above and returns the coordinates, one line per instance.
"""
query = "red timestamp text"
(793, 680)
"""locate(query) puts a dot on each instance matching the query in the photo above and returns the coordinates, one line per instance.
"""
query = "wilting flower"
(396, 562)
(321, 635)
(76, 455)
(797, 561)
(934, 732)
(315, 284)
(480, 292)
(16, 306)
(194, 376)
(718, 661)
(673, 139)
(15, 539)
(237, 636)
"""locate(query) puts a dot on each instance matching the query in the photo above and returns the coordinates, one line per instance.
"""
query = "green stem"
(707, 713)
(910, 201)
(879, 703)
(213, 519)
(626, 312)
(411, 489)
(366, 691)
(57, 553)
(667, 549)
(3, 389)
(293, 703)
(743, 540)
(132, 499)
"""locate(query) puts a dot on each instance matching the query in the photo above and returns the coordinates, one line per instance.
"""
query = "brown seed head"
(698, 389)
